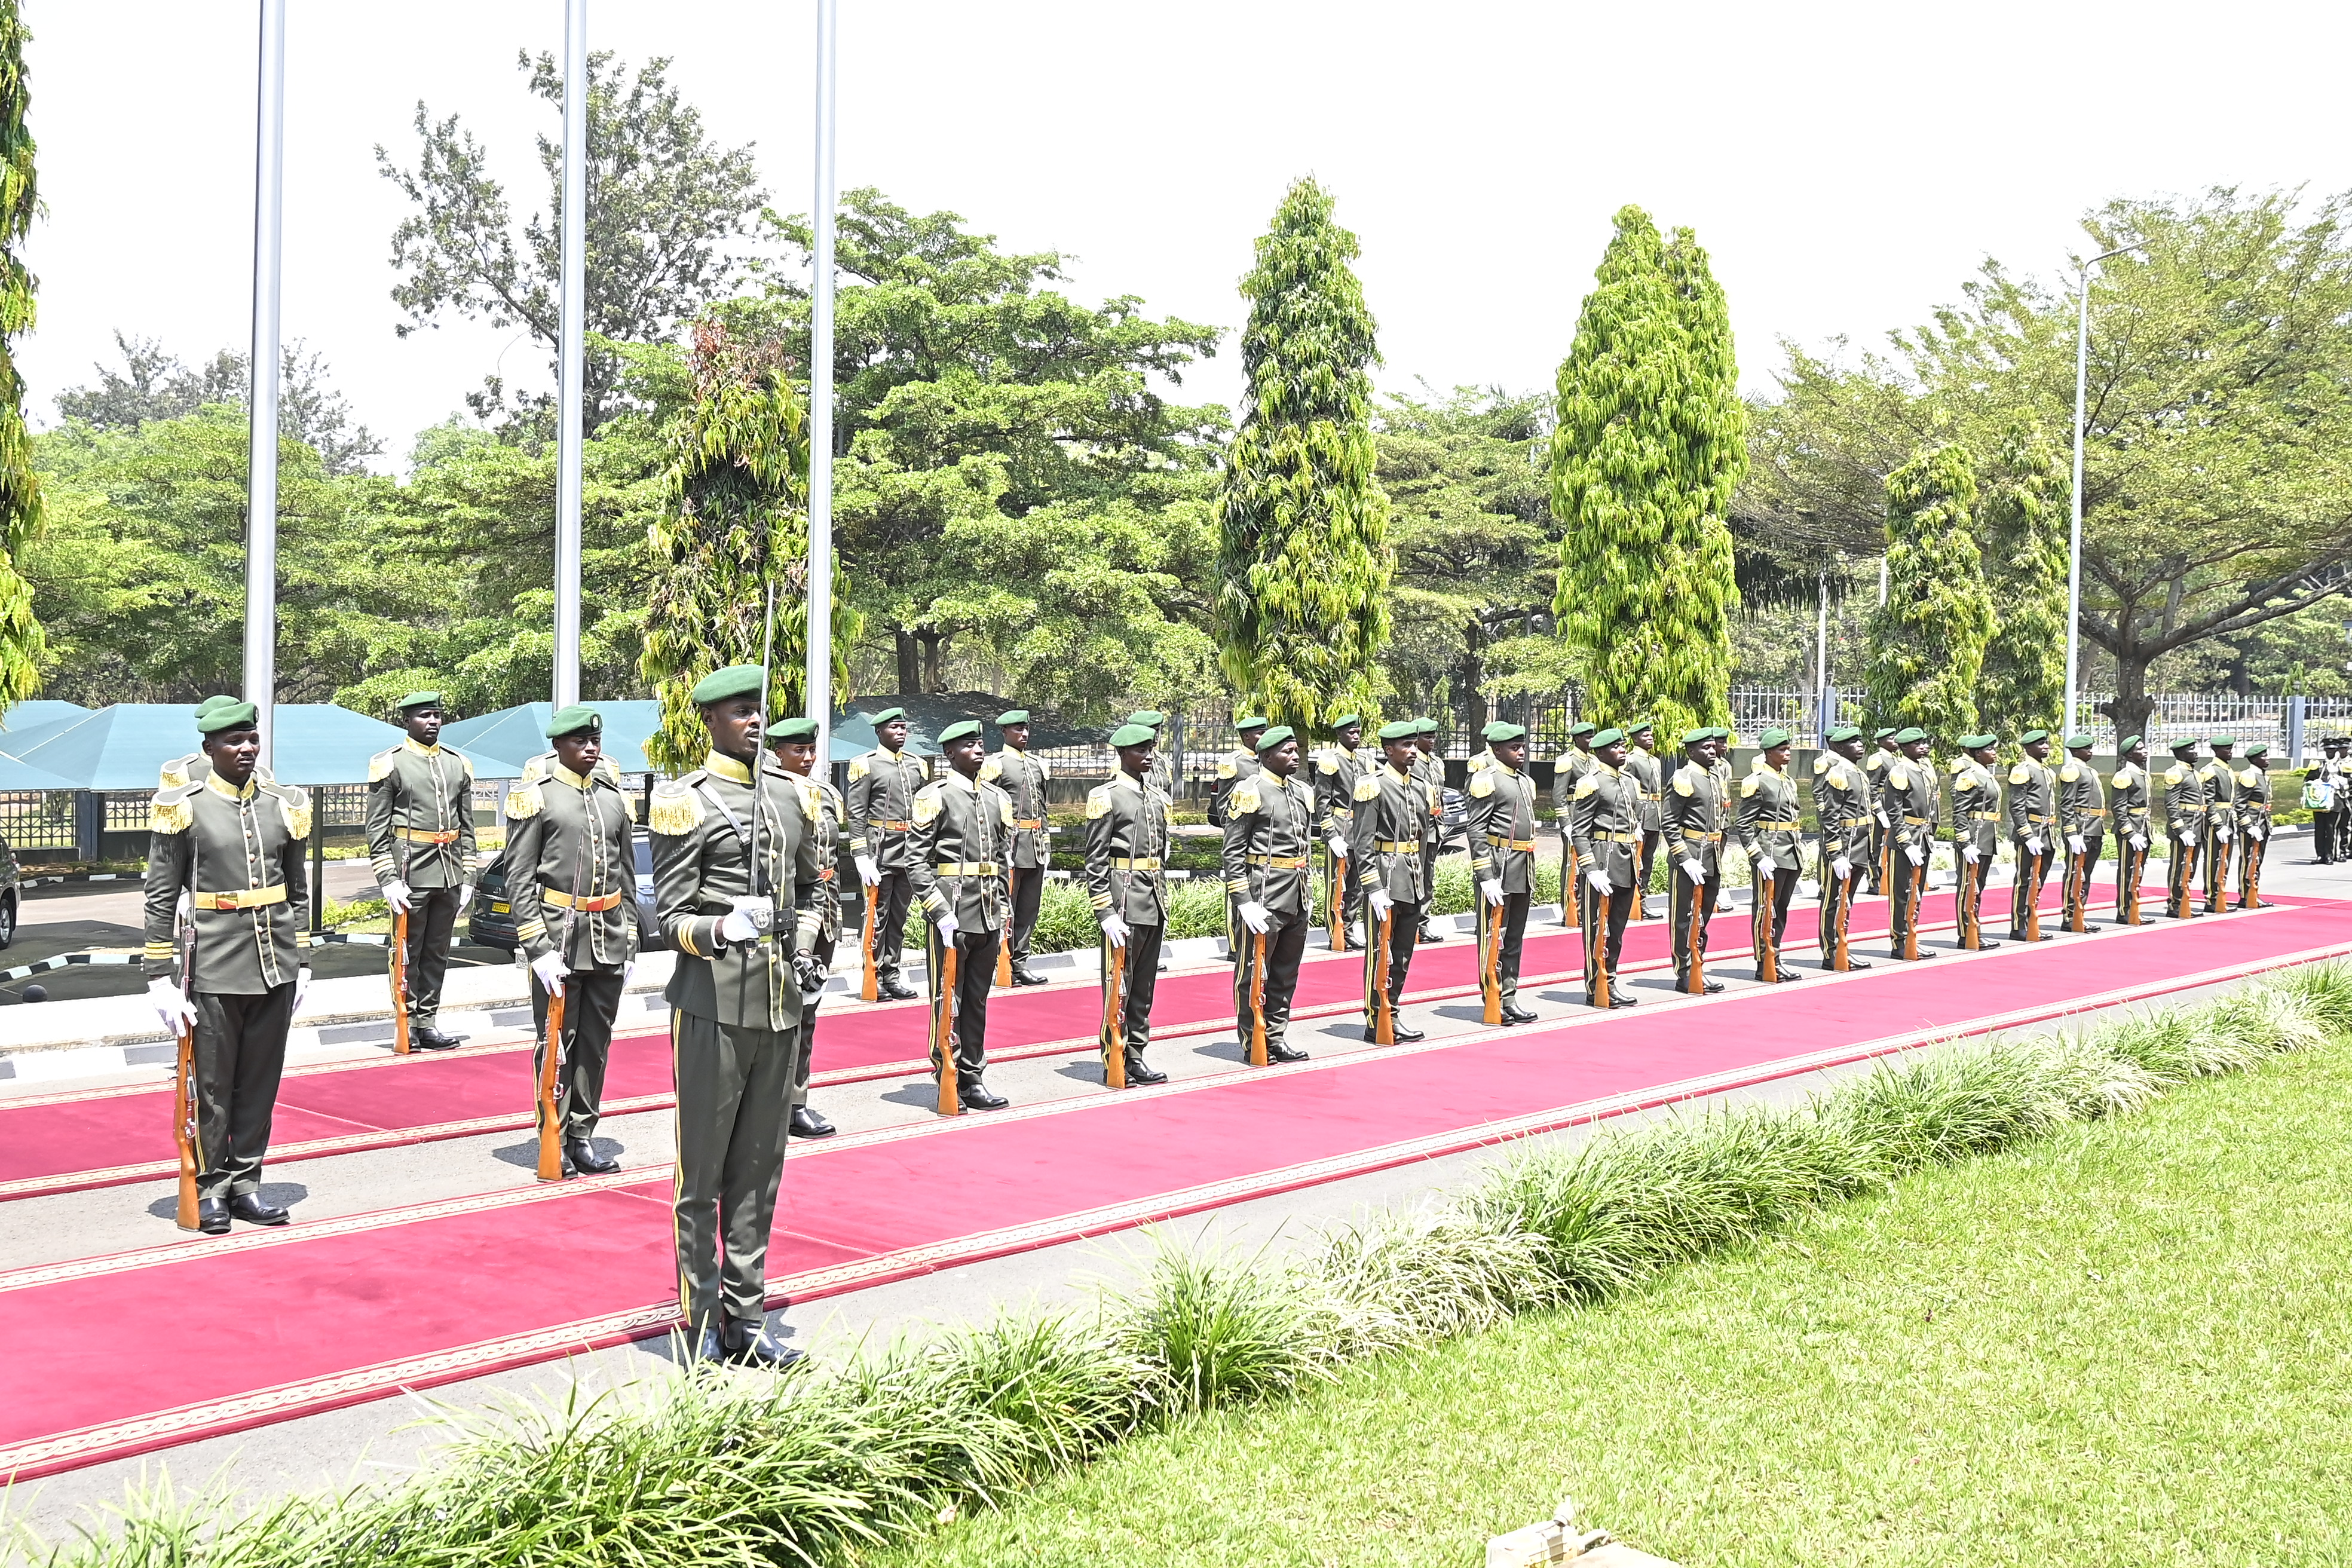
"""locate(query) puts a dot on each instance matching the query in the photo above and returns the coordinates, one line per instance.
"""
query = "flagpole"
(261, 451)
(819, 639)
(569, 352)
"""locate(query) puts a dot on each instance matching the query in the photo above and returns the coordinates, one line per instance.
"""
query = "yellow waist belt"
(2092, 811)
(1856, 821)
(1984, 816)
(425, 836)
(1611, 838)
(1029, 824)
(1151, 863)
(1528, 844)
(2031, 817)
(970, 868)
(1693, 833)
(1780, 827)
(242, 898)
(889, 827)
(1390, 847)
(1280, 862)
(590, 906)
(1916, 822)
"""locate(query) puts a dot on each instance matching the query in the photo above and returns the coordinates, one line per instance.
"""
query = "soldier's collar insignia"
(226, 791)
(727, 767)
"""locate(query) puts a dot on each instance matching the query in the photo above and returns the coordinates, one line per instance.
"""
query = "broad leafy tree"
(152, 383)
(1304, 560)
(1648, 447)
(2021, 524)
(1926, 643)
(22, 646)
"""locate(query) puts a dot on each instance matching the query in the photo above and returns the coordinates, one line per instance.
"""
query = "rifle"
(1568, 870)
(1004, 950)
(550, 1131)
(870, 989)
(943, 1028)
(1599, 938)
(1334, 895)
(1114, 1029)
(1257, 1000)
(2219, 876)
(1695, 982)
(2032, 898)
(1768, 952)
(2251, 898)
(1490, 966)
(1384, 1010)
(1913, 879)
(399, 971)
(2077, 889)
(183, 1087)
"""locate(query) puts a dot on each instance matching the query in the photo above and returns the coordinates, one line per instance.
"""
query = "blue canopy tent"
(17, 775)
(125, 746)
(514, 735)
(36, 714)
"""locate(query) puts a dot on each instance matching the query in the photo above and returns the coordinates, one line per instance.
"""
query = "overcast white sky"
(1847, 166)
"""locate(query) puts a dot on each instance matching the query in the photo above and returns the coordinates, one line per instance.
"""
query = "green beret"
(1500, 731)
(1274, 737)
(793, 730)
(1345, 720)
(1583, 728)
(419, 699)
(1903, 737)
(1606, 738)
(1977, 743)
(209, 703)
(1843, 733)
(228, 714)
(2218, 742)
(961, 730)
(1698, 737)
(2186, 743)
(1638, 725)
(1244, 724)
(572, 720)
(2259, 749)
(1401, 729)
(2130, 744)
(1131, 735)
(2033, 735)
(735, 681)
(1426, 726)
(2073, 740)
(1720, 733)
(1885, 734)
(1149, 717)
(1771, 738)
(1013, 716)
(887, 715)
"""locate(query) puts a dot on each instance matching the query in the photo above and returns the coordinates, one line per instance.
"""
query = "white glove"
(464, 896)
(2223, 833)
(165, 996)
(742, 923)
(1113, 930)
(866, 873)
(395, 896)
(301, 988)
(1382, 903)
(944, 923)
(1491, 891)
(2074, 845)
(2139, 840)
(1695, 871)
(2034, 845)
(551, 969)
(1842, 868)
(1599, 880)
(1916, 855)
(1255, 916)
(1970, 853)
(2257, 830)
(1338, 846)
(1765, 864)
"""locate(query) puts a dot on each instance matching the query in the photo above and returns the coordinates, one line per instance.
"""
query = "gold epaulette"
(296, 805)
(677, 809)
(173, 810)
(524, 801)
(1244, 798)
(381, 764)
(1098, 802)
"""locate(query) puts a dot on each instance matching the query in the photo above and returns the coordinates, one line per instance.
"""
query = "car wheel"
(8, 920)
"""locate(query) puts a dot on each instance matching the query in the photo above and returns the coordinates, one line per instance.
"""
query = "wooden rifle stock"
(1913, 877)
(1383, 1014)
(1490, 966)
(2032, 896)
(1004, 958)
(943, 1025)
(1695, 984)
(399, 971)
(869, 984)
(1257, 1000)
(1839, 958)
(1768, 952)
(1568, 883)
(550, 1131)
(2220, 876)
(1113, 1040)
(2251, 899)
(1603, 988)
(1335, 871)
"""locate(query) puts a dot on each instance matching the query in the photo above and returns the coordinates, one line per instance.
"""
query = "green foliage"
(1928, 641)
(2022, 527)
(22, 643)
(153, 383)
(1304, 559)
(1646, 453)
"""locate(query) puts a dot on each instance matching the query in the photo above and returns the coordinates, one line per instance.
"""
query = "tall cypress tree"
(738, 519)
(1303, 557)
(1651, 440)
(21, 640)
(2022, 530)
(1926, 643)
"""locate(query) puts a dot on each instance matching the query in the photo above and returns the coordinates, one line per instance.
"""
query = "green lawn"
(2128, 1345)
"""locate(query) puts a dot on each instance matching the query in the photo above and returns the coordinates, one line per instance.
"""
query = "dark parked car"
(490, 919)
(9, 872)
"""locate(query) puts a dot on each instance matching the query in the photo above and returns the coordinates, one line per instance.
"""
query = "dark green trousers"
(734, 1091)
(1404, 936)
(240, 1055)
(1286, 945)
(1685, 920)
(591, 1001)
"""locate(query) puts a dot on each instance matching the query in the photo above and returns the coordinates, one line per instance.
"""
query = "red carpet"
(344, 1311)
(92, 1138)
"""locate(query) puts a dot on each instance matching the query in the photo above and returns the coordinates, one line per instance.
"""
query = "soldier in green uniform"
(1772, 828)
(2032, 808)
(2082, 822)
(1162, 773)
(1874, 769)
(1567, 770)
(881, 797)
(1235, 765)
(1022, 778)
(957, 854)
(2130, 785)
(1605, 824)
(571, 883)
(2328, 823)
(1429, 768)
(1392, 807)
(1338, 768)
(193, 767)
(420, 831)
(736, 886)
(2220, 778)
(233, 846)
(1976, 831)
(1502, 830)
(1694, 816)
(1907, 792)
(1846, 816)
(1126, 850)
(795, 747)
(2184, 823)
(2253, 803)
(1269, 829)
(1649, 772)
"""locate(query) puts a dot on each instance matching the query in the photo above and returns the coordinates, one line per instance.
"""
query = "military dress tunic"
(2128, 805)
(1337, 771)
(1976, 821)
(1604, 825)
(881, 803)
(957, 853)
(237, 853)
(1127, 858)
(1695, 817)
(1232, 768)
(2081, 814)
(1024, 777)
(2185, 805)
(1502, 830)
(2250, 801)
(2220, 783)
(1649, 774)
(735, 1019)
(571, 883)
(1269, 836)
(1846, 818)
(1384, 846)
(1771, 821)
(1908, 796)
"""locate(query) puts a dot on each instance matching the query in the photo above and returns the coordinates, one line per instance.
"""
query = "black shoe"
(1140, 1075)
(586, 1161)
(1429, 933)
(1646, 912)
(807, 1123)
(249, 1207)
(747, 1346)
(1618, 999)
(1405, 1034)
(1515, 1013)
(1984, 946)
(1276, 1051)
(1851, 963)
(211, 1217)
(425, 1037)
(708, 1344)
(1786, 976)
(1712, 987)
(894, 991)
(1923, 954)
(1023, 975)
(979, 1097)
(2089, 926)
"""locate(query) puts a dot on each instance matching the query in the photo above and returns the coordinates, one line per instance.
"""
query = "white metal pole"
(570, 353)
(1822, 663)
(261, 454)
(819, 681)
(2074, 534)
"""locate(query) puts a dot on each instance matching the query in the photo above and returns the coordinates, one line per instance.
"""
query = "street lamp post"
(818, 682)
(261, 445)
(2075, 535)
